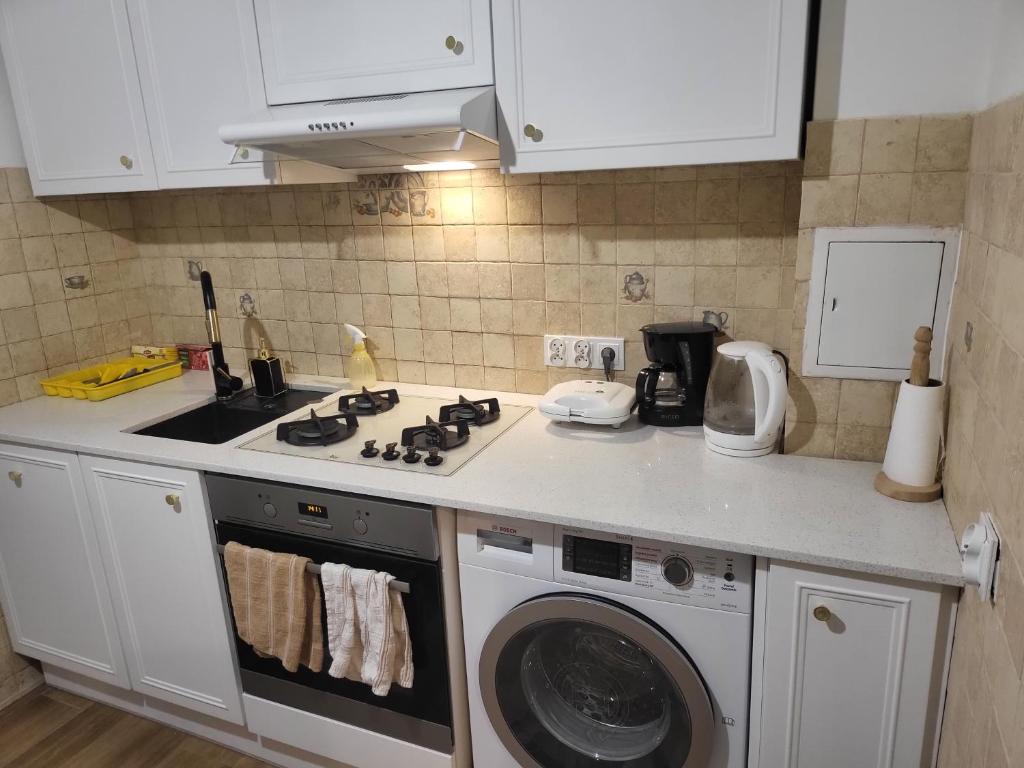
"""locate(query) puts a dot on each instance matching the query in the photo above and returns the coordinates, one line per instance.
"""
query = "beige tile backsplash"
(46, 327)
(17, 674)
(984, 722)
(456, 277)
(890, 171)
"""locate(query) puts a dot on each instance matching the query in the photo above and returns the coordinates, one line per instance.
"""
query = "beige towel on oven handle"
(276, 605)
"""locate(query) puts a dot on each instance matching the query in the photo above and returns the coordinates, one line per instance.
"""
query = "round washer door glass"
(573, 681)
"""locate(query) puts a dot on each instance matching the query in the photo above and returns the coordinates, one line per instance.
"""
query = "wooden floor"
(53, 729)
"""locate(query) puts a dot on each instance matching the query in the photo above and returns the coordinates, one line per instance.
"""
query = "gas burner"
(437, 434)
(472, 410)
(367, 403)
(318, 430)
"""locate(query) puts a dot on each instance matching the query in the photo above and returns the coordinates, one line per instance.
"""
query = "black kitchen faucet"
(226, 384)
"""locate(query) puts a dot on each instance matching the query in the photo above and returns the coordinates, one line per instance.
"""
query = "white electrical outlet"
(979, 556)
(598, 343)
(554, 351)
(582, 352)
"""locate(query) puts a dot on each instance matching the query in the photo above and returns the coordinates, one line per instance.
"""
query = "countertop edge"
(886, 567)
(796, 556)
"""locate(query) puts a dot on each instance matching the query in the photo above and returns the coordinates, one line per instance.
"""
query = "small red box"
(194, 356)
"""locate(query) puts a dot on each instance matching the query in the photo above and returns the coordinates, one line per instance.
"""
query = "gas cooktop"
(386, 429)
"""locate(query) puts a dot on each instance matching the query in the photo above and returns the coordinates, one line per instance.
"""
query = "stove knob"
(411, 455)
(434, 458)
(677, 570)
(390, 454)
(369, 451)
(269, 510)
(359, 526)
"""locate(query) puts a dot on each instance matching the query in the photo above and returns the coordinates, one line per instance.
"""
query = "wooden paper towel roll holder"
(919, 368)
(889, 487)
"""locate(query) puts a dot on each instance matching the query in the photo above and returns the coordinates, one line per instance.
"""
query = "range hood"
(381, 134)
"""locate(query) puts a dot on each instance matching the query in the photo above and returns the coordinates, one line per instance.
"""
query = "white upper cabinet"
(315, 50)
(200, 68)
(592, 84)
(77, 96)
(52, 580)
(158, 547)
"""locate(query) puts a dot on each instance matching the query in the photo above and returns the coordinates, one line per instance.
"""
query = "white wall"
(903, 57)
(11, 155)
(1006, 75)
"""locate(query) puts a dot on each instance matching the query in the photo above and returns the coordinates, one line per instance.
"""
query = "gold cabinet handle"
(821, 613)
(531, 131)
(454, 45)
(15, 477)
(172, 500)
(126, 162)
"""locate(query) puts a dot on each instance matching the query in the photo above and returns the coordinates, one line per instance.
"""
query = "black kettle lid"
(679, 329)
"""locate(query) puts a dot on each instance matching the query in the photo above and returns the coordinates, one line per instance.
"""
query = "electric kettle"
(746, 400)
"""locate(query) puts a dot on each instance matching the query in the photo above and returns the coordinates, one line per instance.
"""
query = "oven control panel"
(364, 521)
(658, 570)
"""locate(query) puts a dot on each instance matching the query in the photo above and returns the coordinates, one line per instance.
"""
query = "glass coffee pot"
(746, 399)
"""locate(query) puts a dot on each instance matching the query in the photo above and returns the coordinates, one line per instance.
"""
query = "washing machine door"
(576, 681)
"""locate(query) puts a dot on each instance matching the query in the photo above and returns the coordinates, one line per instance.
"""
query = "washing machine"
(587, 649)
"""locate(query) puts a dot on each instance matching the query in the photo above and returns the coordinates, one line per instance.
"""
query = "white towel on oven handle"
(367, 631)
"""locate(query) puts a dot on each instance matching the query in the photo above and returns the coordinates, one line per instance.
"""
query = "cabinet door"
(332, 49)
(77, 96)
(853, 670)
(54, 592)
(191, 90)
(590, 84)
(164, 577)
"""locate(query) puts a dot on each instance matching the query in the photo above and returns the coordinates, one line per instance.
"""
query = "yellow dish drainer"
(100, 382)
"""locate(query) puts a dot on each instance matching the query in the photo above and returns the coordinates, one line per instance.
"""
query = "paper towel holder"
(915, 437)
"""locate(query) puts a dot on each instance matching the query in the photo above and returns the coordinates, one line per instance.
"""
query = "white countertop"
(646, 481)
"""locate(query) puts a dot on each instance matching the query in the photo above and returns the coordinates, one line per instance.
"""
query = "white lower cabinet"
(155, 535)
(52, 580)
(853, 672)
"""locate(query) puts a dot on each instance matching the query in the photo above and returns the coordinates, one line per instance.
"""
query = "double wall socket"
(582, 352)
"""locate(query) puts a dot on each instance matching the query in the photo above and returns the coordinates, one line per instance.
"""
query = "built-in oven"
(364, 532)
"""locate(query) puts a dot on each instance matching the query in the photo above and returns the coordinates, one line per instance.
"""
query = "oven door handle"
(314, 568)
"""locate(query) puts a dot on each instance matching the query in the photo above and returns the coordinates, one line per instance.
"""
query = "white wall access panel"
(871, 288)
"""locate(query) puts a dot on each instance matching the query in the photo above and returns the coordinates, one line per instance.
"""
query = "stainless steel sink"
(219, 422)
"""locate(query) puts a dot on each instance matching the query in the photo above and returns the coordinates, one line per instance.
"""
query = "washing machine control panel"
(658, 570)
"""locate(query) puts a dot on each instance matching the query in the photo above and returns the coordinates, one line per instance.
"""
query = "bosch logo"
(504, 529)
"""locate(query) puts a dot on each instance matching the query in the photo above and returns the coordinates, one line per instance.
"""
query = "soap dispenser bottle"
(360, 368)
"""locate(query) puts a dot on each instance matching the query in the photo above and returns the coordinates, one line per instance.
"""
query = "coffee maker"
(670, 391)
